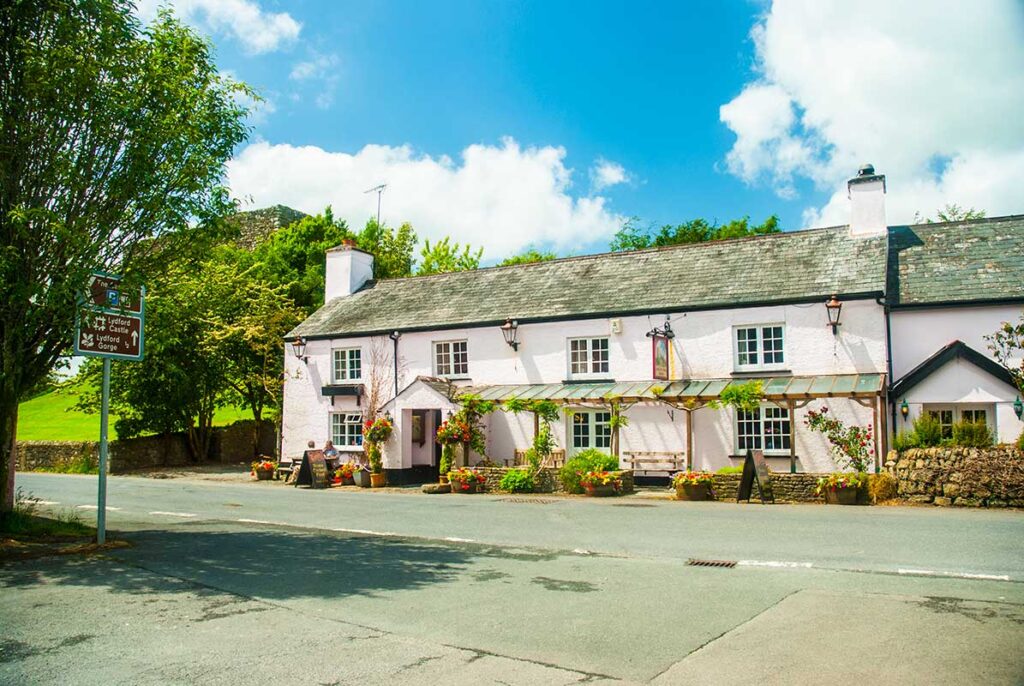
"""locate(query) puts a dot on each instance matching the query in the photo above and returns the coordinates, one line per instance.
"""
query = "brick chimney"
(867, 202)
(348, 269)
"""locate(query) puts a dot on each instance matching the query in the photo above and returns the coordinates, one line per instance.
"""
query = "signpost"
(109, 324)
(755, 468)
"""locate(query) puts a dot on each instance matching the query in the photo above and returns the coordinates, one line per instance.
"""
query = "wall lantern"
(299, 348)
(904, 409)
(509, 330)
(834, 307)
(1018, 407)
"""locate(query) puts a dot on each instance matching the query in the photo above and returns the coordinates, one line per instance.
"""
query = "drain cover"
(729, 564)
(534, 501)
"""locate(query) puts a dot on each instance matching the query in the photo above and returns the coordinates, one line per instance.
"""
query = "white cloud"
(501, 197)
(257, 30)
(929, 92)
(322, 70)
(605, 174)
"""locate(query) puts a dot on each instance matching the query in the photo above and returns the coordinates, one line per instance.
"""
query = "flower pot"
(464, 486)
(600, 491)
(378, 480)
(347, 481)
(846, 495)
(442, 479)
(264, 474)
(361, 478)
(693, 492)
(336, 481)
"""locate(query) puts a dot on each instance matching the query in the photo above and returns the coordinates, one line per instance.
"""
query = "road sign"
(110, 321)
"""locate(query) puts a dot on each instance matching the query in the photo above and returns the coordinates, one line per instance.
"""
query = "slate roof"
(957, 262)
(786, 267)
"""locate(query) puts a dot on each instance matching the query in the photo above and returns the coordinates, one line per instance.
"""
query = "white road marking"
(775, 563)
(173, 514)
(954, 575)
(365, 532)
(47, 502)
(254, 521)
(96, 507)
(456, 539)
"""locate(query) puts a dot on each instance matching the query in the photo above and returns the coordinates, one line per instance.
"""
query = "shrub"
(518, 481)
(1020, 442)
(590, 460)
(927, 431)
(731, 470)
(972, 435)
(882, 487)
(904, 440)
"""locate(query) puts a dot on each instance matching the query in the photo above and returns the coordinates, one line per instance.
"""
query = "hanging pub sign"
(755, 469)
(660, 349)
(313, 470)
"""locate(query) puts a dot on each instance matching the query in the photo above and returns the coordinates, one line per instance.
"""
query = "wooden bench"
(667, 463)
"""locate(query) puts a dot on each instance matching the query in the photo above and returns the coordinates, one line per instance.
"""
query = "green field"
(50, 418)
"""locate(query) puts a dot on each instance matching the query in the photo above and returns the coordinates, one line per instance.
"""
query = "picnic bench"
(661, 462)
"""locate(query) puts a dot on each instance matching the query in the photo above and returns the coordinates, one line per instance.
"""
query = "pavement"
(263, 583)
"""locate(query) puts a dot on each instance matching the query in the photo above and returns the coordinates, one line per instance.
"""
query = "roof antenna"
(380, 191)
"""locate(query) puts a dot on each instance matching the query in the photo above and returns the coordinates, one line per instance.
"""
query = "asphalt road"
(263, 583)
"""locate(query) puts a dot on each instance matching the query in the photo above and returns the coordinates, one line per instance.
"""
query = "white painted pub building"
(878, 323)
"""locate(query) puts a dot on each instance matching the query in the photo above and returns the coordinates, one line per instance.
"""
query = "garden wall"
(548, 479)
(972, 477)
(788, 488)
(230, 444)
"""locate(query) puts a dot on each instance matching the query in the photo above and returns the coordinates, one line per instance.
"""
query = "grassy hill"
(50, 418)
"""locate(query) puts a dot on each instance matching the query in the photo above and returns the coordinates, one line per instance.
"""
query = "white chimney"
(348, 268)
(867, 202)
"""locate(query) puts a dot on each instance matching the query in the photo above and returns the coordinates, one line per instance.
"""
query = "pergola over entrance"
(689, 395)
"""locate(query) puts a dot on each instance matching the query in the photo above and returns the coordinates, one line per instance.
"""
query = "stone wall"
(972, 477)
(548, 479)
(787, 488)
(230, 444)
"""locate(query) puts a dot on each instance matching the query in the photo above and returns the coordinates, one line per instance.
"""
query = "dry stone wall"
(548, 479)
(970, 477)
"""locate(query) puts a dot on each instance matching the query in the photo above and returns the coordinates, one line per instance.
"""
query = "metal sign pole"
(101, 504)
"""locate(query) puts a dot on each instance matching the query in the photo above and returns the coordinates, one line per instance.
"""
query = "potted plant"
(841, 488)
(343, 474)
(600, 484)
(376, 432)
(361, 476)
(451, 433)
(466, 480)
(693, 485)
(264, 470)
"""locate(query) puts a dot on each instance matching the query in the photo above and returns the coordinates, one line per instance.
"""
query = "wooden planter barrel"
(378, 480)
(264, 474)
(600, 491)
(846, 495)
(693, 492)
(464, 487)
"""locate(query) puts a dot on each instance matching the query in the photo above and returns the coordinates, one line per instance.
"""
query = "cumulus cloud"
(501, 197)
(605, 174)
(929, 92)
(244, 20)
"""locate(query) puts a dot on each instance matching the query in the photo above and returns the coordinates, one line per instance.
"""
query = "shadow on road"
(271, 564)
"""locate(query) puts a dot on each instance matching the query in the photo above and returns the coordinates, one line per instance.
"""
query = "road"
(263, 583)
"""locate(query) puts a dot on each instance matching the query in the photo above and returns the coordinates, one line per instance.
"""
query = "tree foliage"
(113, 143)
(632, 237)
(950, 212)
(527, 257)
(1007, 346)
(444, 256)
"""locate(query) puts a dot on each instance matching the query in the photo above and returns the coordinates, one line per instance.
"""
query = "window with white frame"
(588, 356)
(451, 359)
(975, 416)
(766, 428)
(346, 429)
(944, 416)
(759, 347)
(591, 429)
(948, 415)
(348, 365)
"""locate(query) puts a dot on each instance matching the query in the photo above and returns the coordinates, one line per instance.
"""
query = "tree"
(392, 250)
(633, 237)
(443, 256)
(1007, 346)
(527, 256)
(951, 212)
(113, 144)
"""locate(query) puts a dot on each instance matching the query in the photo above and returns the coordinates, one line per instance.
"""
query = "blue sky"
(509, 124)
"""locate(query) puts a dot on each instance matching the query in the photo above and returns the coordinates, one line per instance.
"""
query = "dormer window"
(759, 347)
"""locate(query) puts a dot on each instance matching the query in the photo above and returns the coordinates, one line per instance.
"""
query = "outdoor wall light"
(904, 409)
(1018, 407)
(299, 348)
(509, 330)
(834, 307)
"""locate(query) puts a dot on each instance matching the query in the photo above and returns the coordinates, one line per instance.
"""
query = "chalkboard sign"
(313, 470)
(754, 467)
